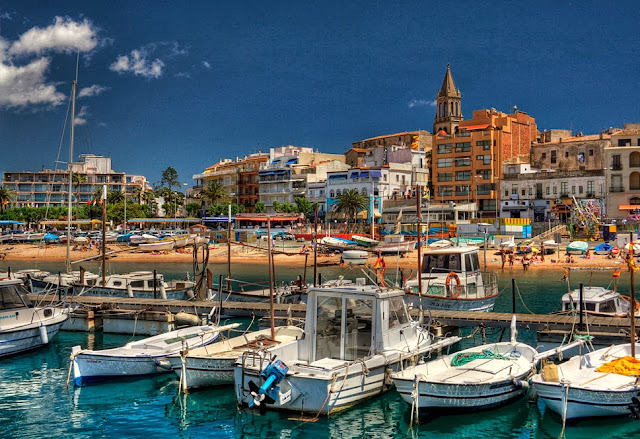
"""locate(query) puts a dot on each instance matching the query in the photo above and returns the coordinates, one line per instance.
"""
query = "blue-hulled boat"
(603, 249)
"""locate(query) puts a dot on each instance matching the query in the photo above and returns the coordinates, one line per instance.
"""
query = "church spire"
(449, 106)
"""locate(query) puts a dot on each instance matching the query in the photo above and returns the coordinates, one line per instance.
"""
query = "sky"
(187, 83)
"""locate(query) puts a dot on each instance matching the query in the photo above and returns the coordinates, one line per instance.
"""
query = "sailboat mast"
(69, 201)
(270, 259)
(418, 218)
(104, 233)
(632, 270)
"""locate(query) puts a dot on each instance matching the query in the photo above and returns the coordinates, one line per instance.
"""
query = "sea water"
(35, 401)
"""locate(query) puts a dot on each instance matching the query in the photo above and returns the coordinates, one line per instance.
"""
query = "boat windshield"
(442, 263)
(608, 306)
(10, 298)
(397, 312)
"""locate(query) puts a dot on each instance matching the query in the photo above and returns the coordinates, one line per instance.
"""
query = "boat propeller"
(273, 373)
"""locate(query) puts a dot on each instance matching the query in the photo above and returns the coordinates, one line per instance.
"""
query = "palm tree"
(77, 180)
(6, 196)
(214, 192)
(114, 197)
(350, 202)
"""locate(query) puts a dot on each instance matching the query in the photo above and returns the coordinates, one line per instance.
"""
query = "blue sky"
(184, 84)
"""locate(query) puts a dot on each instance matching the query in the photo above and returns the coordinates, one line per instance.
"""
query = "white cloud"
(24, 68)
(421, 103)
(206, 64)
(185, 75)
(81, 117)
(64, 35)
(21, 86)
(138, 64)
(148, 61)
(94, 90)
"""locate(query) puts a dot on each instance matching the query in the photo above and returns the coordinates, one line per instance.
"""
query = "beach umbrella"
(535, 250)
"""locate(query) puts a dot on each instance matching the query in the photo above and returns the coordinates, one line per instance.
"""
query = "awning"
(9, 222)
(354, 175)
(475, 127)
(364, 174)
(376, 174)
(291, 161)
(628, 206)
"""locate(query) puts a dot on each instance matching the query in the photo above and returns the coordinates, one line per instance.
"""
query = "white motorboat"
(24, 326)
(354, 338)
(334, 243)
(212, 365)
(145, 238)
(157, 246)
(354, 257)
(53, 282)
(137, 358)
(452, 280)
(440, 243)
(599, 301)
(138, 284)
(477, 378)
(590, 385)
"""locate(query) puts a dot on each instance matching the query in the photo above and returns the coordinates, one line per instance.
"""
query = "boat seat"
(258, 344)
(328, 363)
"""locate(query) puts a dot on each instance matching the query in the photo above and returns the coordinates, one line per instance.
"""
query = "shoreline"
(243, 254)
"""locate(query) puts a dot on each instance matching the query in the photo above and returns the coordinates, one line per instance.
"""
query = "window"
(548, 191)
(555, 190)
(573, 190)
(553, 156)
(445, 176)
(463, 161)
(566, 154)
(616, 164)
(463, 147)
(10, 298)
(484, 173)
(445, 191)
(483, 143)
(514, 189)
(579, 189)
(564, 189)
(338, 193)
(332, 193)
(524, 192)
(506, 193)
(329, 327)
(445, 148)
(590, 188)
(397, 178)
(530, 191)
(591, 153)
(463, 175)
(624, 142)
(543, 156)
(445, 163)
(384, 177)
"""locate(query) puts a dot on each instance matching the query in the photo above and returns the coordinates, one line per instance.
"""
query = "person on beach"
(503, 257)
(511, 260)
(525, 263)
(587, 255)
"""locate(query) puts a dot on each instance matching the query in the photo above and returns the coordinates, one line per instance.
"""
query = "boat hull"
(89, 368)
(23, 338)
(182, 294)
(205, 372)
(451, 304)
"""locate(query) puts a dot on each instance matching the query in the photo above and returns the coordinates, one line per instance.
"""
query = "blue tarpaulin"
(9, 222)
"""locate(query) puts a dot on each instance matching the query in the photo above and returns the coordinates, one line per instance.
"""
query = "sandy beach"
(291, 257)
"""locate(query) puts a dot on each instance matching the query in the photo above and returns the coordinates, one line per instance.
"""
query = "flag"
(616, 273)
(5, 202)
(90, 202)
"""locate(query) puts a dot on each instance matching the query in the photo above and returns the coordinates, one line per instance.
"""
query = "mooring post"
(155, 284)
(513, 296)
(581, 308)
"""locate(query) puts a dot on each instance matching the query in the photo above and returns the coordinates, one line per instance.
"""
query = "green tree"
(170, 178)
(305, 206)
(350, 202)
(6, 196)
(114, 197)
(192, 209)
(78, 179)
(260, 207)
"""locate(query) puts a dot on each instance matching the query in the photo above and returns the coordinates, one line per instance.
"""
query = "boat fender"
(388, 381)
(163, 292)
(272, 374)
(43, 334)
(190, 295)
(521, 384)
(186, 319)
(129, 291)
(634, 408)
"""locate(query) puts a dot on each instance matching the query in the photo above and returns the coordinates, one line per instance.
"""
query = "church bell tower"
(449, 106)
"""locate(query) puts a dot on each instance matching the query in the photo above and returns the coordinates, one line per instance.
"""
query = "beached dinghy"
(365, 241)
(354, 338)
(24, 326)
(579, 247)
(354, 257)
(137, 358)
(212, 365)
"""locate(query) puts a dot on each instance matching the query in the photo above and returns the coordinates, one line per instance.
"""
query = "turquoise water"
(34, 402)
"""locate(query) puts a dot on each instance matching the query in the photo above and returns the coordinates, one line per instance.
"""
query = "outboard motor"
(272, 374)
(634, 408)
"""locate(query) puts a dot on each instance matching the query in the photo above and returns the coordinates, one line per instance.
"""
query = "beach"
(289, 257)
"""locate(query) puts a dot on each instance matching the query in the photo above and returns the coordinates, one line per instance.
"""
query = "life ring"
(454, 294)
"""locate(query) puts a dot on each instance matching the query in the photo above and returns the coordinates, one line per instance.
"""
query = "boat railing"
(472, 286)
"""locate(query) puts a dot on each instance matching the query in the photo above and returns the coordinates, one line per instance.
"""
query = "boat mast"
(104, 233)
(74, 84)
(229, 250)
(632, 267)
(270, 259)
(315, 246)
(418, 217)
(373, 206)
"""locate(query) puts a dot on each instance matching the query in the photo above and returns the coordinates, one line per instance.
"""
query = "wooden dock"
(539, 322)
(190, 306)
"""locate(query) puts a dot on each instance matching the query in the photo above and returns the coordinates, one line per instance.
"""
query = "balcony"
(616, 167)
(616, 189)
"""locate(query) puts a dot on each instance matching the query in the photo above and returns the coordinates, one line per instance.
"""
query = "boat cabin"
(454, 259)
(350, 322)
(10, 296)
(138, 280)
(597, 300)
